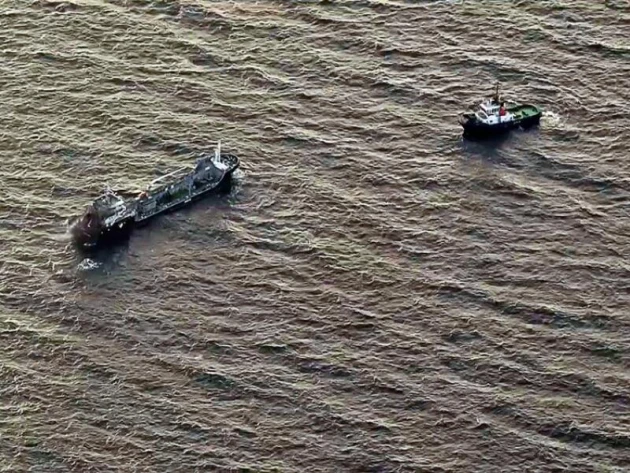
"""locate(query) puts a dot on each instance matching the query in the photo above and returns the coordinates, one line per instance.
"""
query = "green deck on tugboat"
(524, 111)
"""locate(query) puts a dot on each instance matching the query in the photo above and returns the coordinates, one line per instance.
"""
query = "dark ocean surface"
(376, 294)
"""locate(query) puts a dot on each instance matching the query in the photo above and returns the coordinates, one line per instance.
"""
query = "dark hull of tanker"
(222, 187)
(85, 239)
(475, 128)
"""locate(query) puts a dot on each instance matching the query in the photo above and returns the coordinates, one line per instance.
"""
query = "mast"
(217, 151)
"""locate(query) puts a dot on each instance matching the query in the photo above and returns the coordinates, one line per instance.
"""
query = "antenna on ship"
(217, 151)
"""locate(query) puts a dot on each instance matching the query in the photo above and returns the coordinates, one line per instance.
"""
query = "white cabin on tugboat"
(493, 111)
(490, 113)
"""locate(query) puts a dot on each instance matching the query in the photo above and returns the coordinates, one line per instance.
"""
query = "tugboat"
(111, 217)
(494, 117)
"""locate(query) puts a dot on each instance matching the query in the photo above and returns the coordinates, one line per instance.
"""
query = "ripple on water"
(367, 259)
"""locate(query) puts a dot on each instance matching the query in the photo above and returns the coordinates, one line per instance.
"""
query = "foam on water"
(88, 264)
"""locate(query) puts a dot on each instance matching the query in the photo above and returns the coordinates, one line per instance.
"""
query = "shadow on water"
(487, 148)
(103, 260)
(488, 151)
(497, 150)
(522, 150)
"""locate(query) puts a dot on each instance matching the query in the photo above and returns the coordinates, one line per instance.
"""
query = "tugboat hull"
(527, 116)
